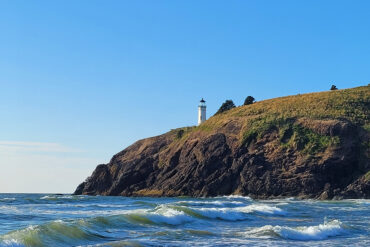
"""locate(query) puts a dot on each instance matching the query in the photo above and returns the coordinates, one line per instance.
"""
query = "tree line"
(229, 104)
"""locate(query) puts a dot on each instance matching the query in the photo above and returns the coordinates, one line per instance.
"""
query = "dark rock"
(212, 164)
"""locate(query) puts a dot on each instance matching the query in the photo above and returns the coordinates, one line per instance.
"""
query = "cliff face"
(274, 148)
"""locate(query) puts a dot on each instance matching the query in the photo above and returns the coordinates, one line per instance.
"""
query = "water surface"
(67, 220)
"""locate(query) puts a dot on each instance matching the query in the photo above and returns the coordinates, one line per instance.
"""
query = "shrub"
(227, 105)
(249, 100)
(179, 134)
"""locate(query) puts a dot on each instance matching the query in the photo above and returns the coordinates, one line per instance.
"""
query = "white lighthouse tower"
(201, 111)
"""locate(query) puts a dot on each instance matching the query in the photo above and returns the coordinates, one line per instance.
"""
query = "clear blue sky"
(81, 80)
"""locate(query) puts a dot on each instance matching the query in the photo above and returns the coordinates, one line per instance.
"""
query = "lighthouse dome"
(202, 103)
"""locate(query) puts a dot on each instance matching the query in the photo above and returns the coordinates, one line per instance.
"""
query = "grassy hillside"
(281, 113)
(352, 104)
(312, 146)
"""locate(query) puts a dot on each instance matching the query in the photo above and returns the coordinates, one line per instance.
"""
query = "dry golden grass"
(352, 104)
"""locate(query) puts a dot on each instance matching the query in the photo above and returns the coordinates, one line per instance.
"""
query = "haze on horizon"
(81, 80)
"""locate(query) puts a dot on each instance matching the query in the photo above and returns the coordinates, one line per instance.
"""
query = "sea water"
(68, 220)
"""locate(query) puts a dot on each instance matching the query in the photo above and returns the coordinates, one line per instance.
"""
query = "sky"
(82, 80)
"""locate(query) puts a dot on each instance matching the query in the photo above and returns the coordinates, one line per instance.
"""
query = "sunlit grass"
(350, 104)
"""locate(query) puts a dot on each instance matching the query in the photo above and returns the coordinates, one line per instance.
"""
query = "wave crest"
(318, 232)
(55, 231)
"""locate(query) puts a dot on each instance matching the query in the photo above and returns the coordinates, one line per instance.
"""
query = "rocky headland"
(309, 146)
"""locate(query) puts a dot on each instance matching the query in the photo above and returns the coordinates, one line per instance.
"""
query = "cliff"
(310, 146)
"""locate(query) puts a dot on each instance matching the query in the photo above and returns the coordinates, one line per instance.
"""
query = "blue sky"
(81, 80)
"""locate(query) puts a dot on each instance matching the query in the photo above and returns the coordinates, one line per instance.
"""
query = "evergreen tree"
(227, 105)
(249, 100)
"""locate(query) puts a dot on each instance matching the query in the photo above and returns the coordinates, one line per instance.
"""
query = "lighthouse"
(201, 111)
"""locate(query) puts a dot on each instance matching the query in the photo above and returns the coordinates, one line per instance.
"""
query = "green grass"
(290, 135)
(181, 133)
(367, 176)
(352, 104)
(310, 142)
(280, 113)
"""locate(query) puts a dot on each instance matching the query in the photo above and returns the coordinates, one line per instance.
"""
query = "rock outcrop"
(286, 156)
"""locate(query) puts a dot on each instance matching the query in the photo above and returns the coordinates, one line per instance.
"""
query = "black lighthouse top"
(202, 101)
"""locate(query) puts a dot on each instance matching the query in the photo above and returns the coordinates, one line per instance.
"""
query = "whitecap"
(55, 197)
(262, 209)
(237, 213)
(164, 214)
(9, 209)
(47, 197)
(213, 203)
(318, 232)
(11, 242)
(7, 199)
(235, 197)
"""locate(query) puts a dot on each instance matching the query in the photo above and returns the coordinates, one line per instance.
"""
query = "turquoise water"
(66, 220)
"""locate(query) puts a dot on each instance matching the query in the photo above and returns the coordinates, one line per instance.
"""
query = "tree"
(227, 105)
(333, 87)
(249, 100)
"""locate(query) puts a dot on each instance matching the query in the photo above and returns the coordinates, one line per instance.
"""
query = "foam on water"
(262, 209)
(57, 197)
(235, 197)
(7, 199)
(12, 243)
(211, 203)
(232, 220)
(238, 213)
(318, 232)
(167, 215)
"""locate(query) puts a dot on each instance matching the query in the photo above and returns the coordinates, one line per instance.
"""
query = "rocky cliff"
(310, 146)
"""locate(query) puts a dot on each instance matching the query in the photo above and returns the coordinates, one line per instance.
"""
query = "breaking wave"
(212, 203)
(47, 234)
(237, 213)
(68, 220)
(318, 232)
(87, 229)
(263, 209)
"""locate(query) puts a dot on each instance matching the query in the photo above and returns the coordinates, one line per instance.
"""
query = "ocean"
(68, 220)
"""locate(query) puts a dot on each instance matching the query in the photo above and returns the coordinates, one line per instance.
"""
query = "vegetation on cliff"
(311, 145)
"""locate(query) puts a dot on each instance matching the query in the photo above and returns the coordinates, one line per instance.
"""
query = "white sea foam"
(164, 214)
(54, 197)
(15, 238)
(9, 209)
(262, 209)
(318, 232)
(237, 213)
(11, 242)
(360, 201)
(213, 203)
(235, 197)
(6, 199)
